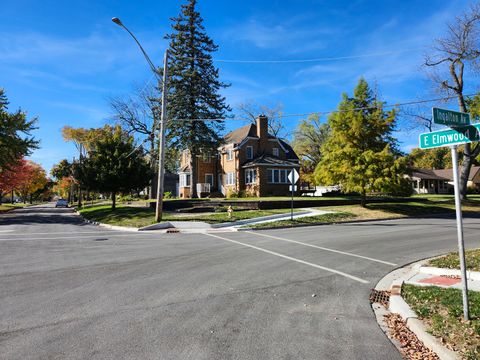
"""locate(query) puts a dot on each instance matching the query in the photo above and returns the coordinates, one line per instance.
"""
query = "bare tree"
(417, 118)
(308, 139)
(457, 51)
(139, 114)
(251, 110)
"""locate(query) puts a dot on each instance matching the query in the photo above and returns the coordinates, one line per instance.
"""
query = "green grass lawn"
(452, 261)
(431, 206)
(308, 220)
(138, 217)
(141, 216)
(279, 198)
(438, 205)
(8, 207)
(442, 312)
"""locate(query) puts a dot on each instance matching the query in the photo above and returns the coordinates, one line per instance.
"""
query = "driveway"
(69, 290)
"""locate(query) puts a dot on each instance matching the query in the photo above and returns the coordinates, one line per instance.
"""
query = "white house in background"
(432, 181)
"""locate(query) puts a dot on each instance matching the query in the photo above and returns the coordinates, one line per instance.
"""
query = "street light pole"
(161, 135)
(161, 145)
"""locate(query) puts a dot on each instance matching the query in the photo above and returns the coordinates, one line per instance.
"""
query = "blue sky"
(63, 60)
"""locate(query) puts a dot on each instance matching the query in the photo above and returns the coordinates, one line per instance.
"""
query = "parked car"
(61, 203)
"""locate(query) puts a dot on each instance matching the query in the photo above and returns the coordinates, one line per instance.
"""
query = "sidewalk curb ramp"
(393, 282)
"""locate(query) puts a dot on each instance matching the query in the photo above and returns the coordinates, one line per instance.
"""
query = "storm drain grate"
(172, 231)
(380, 296)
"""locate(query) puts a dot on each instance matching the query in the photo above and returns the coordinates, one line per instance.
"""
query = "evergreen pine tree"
(15, 134)
(193, 88)
(361, 154)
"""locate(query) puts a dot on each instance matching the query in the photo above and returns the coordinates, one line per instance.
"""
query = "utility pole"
(161, 145)
(161, 155)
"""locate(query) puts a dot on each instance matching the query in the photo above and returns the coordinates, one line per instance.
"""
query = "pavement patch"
(440, 280)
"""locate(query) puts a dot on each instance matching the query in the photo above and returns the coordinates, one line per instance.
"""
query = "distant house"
(430, 181)
(250, 160)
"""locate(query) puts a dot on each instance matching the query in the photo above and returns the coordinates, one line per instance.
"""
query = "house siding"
(220, 166)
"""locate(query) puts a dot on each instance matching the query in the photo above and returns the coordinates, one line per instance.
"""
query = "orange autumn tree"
(34, 179)
(12, 177)
(63, 186)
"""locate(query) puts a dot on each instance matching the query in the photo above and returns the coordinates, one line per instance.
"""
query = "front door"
(220, 184)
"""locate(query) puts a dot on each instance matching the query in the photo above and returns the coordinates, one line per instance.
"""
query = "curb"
(107, 226)
(115, 227)
(321, 223)
(393, 281)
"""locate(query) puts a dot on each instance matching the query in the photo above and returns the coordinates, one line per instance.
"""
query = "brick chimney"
(262, 132)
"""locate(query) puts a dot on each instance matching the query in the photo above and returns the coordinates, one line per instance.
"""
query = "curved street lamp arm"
(150, 63)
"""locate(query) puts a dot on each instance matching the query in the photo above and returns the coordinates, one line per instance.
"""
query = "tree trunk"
(464, 174)
(193, 175)
(114, 198)
(79, 196)
(467, 152)
(1, 196)
(11, 199)
(363, 199)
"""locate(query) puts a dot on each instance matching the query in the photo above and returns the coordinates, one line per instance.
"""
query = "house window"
(206, 158)
(231, 178)
(250, 176)
(209, 179)
(249, 152)
(185, 179)
(229, 154)
(275, 152)
(277, 176)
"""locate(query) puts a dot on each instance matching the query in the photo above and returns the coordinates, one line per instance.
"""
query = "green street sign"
(450, 118)
(459, 135)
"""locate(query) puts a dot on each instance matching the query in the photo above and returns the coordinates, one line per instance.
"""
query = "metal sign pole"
(461, 249)
(293, 187)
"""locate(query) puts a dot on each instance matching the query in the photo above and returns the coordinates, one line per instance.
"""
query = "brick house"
(250, 160)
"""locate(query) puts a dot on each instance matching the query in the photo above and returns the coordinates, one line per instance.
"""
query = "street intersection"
(71, 290)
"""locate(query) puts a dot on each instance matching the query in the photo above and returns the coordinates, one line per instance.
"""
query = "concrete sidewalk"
(445, 278)
(202, 227)
(420, 275)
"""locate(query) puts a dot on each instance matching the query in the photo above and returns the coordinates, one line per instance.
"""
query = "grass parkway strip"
(352, 277)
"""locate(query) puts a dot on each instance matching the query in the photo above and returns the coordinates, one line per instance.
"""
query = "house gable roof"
(441, 174)
(268, 160)
(237, 136)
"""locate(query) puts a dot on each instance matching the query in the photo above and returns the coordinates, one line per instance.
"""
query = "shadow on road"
(41, 215)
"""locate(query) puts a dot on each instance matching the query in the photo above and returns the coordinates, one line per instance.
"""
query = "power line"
(413, 102)
(291, 61)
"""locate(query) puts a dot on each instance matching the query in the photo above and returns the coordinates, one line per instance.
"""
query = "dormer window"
(249, 152)
(275, 152)
(229, 154)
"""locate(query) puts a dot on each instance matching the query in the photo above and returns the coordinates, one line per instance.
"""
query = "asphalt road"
(74, 291)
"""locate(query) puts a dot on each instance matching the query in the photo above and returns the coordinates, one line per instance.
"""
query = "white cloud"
(289, 36)
(92, 54)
